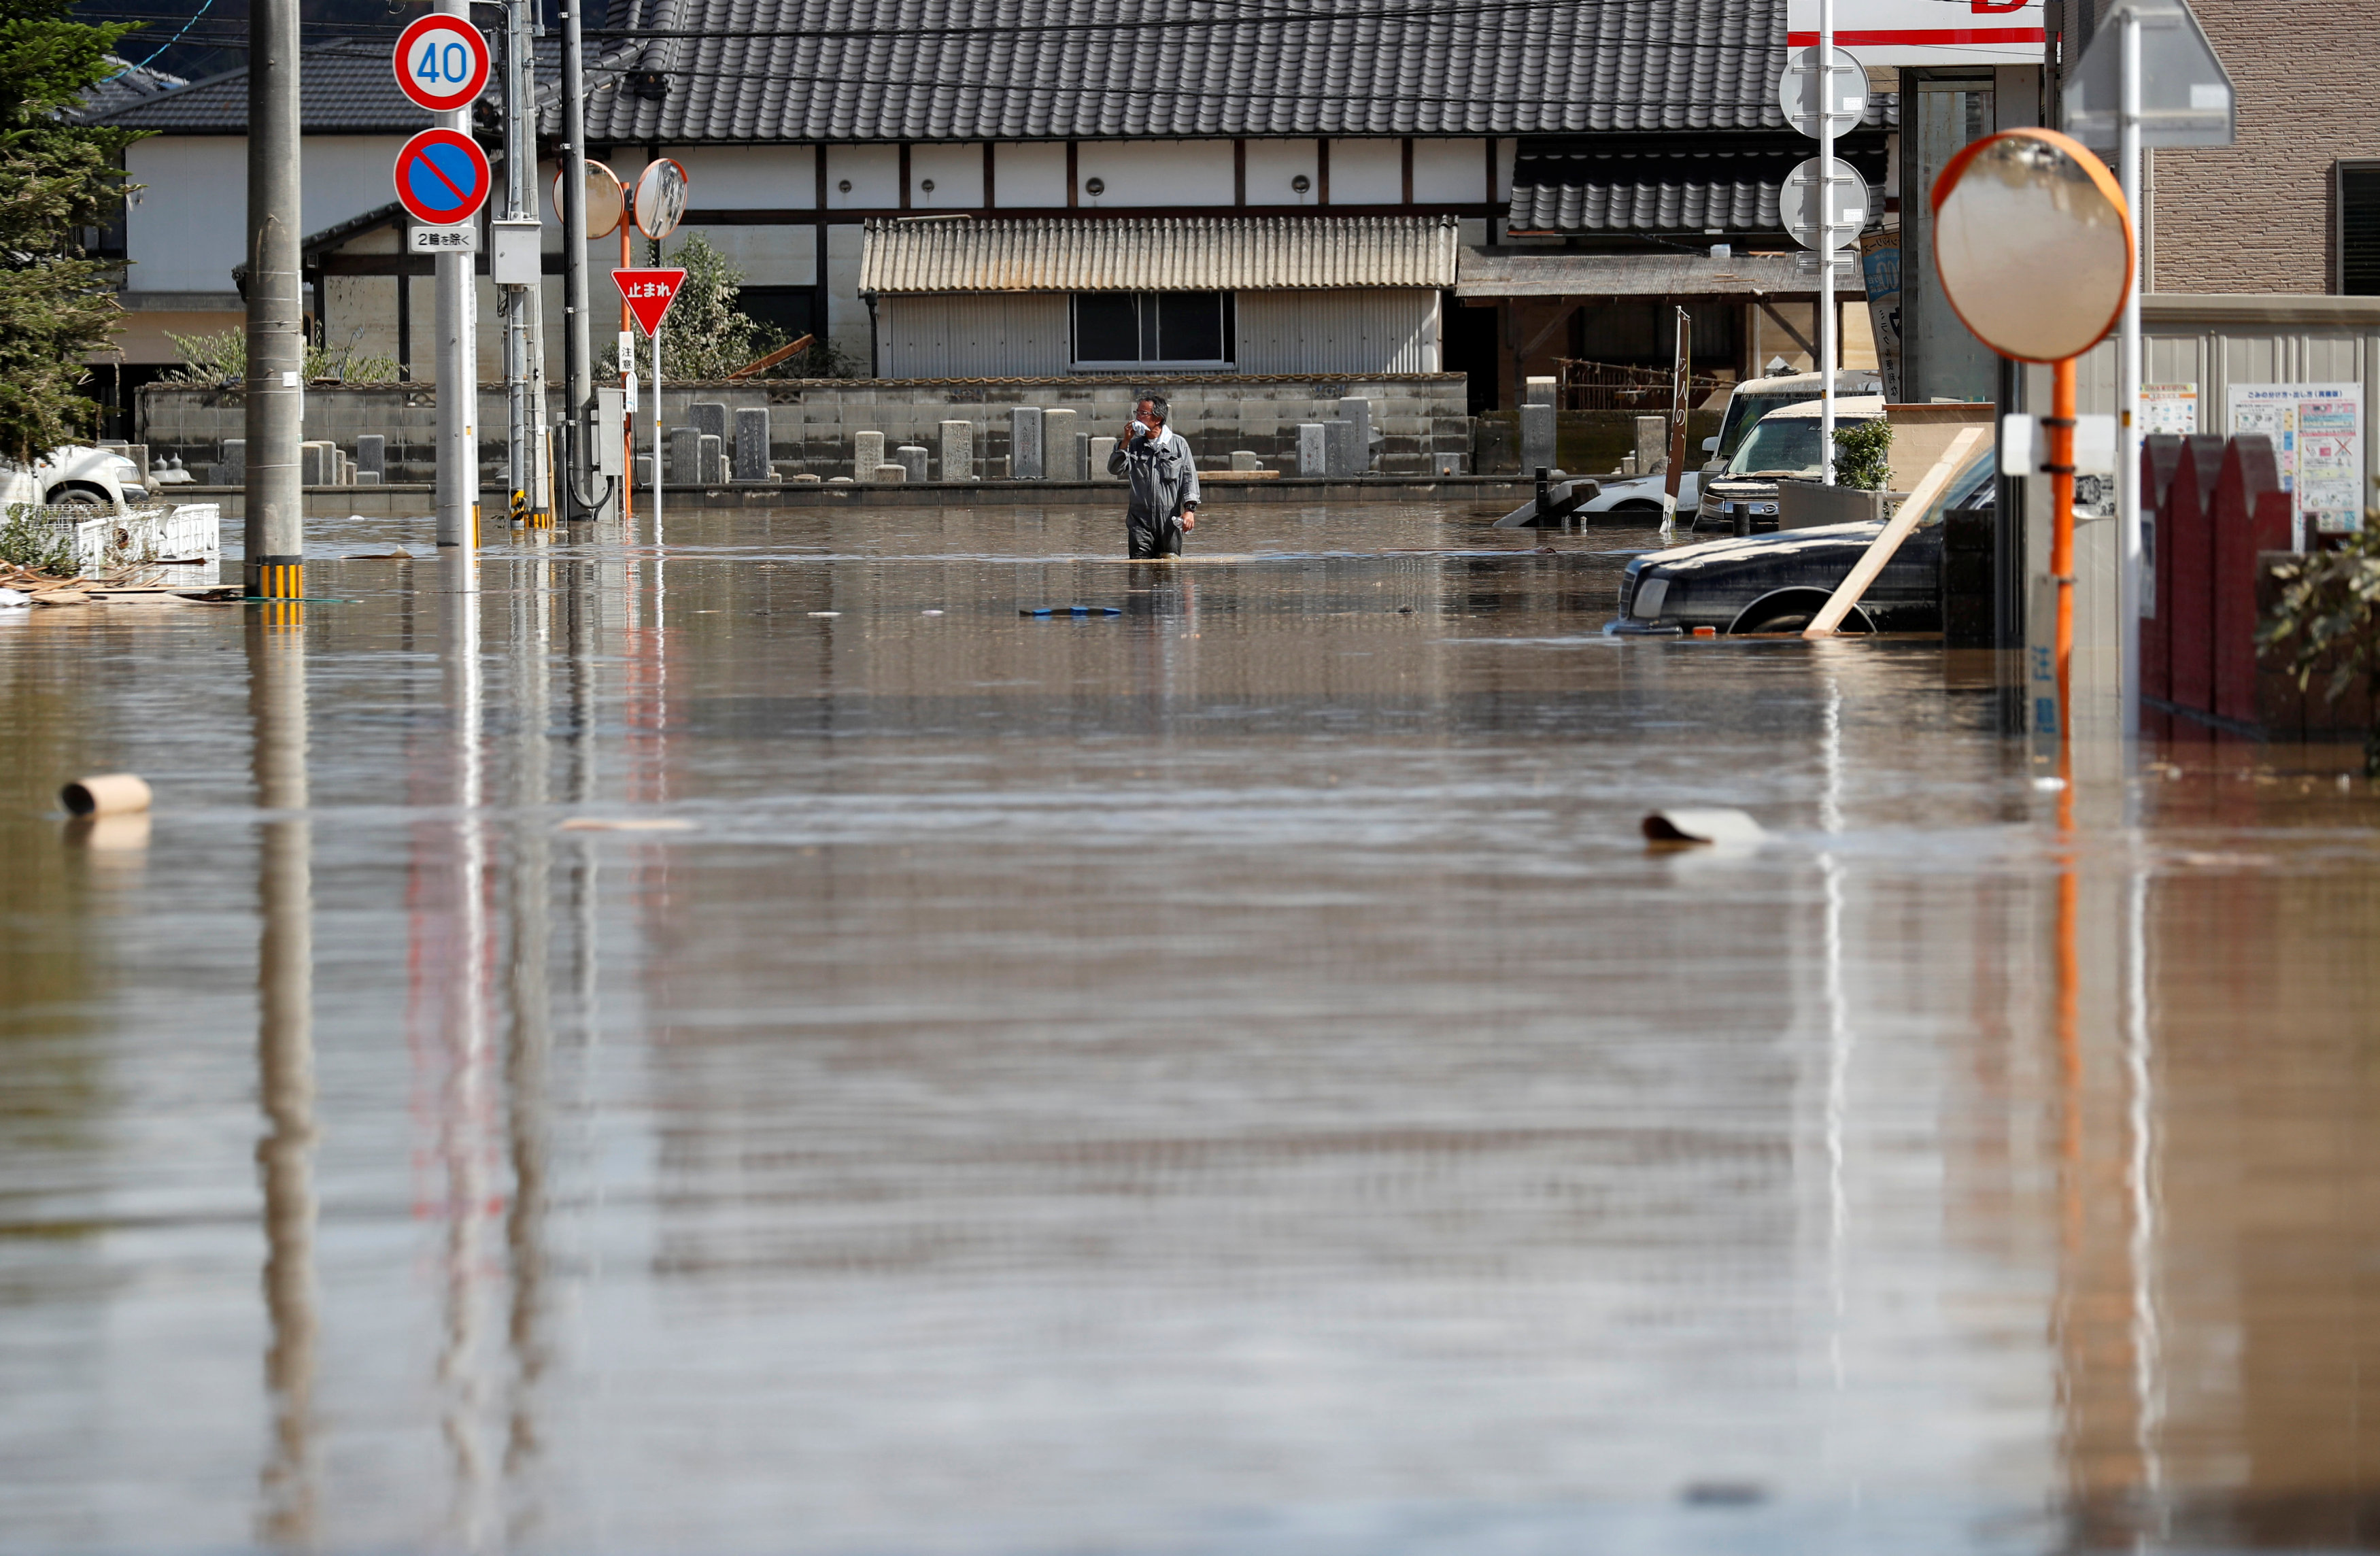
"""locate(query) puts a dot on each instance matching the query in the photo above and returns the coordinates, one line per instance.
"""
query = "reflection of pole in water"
(276, 657)
(2148, 1389)
(1839, 1033)
(525, 1079)
(467, 1103)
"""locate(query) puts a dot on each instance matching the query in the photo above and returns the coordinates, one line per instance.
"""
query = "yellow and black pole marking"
(278, 583)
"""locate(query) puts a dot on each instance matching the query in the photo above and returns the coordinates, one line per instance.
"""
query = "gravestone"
(1025, 444)
(1244, 459)
(684, 460)
(1100, 451)
(714, 460)
(318, 463)
(911, 458)
(235, 462)
(1651, 443)
(709, 415)
(1313, 449)
(1061, 457)
(1356, 408)
(867, 455)
(372, 456)
(1341, 449)
(958, 451)
(752, 444)
(1540, 391)
(1536, 438)
(890, 474)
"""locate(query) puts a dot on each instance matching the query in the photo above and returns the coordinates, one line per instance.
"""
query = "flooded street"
(764, 1045)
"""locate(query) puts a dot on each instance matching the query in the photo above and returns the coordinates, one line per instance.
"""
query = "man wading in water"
(1164, 481)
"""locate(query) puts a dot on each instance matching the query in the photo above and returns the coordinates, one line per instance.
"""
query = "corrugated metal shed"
(844, 71)
(1158, 254)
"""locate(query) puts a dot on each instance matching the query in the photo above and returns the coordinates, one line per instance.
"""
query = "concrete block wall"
(813, 423)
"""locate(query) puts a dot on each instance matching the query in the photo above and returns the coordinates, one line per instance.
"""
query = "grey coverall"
(1164, 476)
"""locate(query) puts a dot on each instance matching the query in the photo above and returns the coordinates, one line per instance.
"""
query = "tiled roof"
(344, 88)
(811, 70)
(1690, 183)
(130, 84)
(1158, 254)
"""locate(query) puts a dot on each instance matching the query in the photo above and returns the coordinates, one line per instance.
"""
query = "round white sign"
(441, 63)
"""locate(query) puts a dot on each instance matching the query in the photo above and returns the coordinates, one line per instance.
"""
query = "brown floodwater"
(757, 1045)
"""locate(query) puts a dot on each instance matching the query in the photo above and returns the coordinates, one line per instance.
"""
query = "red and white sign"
(1927, 32)
(648, 293)
(441, 177)
(441, 63)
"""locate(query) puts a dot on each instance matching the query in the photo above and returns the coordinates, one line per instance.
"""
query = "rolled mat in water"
(1722, 827)
(110, 794)
(1072, 610)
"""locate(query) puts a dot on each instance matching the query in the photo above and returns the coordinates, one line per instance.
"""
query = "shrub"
(29, 540)
(1864, 455)
(2328, 616)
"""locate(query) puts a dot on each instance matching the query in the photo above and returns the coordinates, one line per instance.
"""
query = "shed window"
(1152, 329)
(2358, 228)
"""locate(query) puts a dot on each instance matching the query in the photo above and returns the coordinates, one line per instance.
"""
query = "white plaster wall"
(1450, 170)
(1271, 165)
(1155, 172)
(873, 172)
(1033, 174)
(846, 315)
(956, 173)
(770, 256)
(186, 227)
(744, 178)
(1367, 172)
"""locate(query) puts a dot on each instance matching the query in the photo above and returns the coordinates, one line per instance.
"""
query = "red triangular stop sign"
(648, 293)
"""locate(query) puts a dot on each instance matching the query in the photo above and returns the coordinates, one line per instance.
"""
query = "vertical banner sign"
(2318, 432)
(1880, 270)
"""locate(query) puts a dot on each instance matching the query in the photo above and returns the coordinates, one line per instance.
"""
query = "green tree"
(1864, 455)
(56, 306)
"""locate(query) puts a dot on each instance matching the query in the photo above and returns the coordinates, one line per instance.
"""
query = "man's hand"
(1189, 519)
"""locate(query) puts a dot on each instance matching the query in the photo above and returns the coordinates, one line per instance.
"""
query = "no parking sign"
(441, 177)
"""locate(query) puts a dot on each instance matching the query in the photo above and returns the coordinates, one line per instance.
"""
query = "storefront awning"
(1518, 273)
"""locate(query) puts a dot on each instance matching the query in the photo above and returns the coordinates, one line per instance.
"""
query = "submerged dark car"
(1777, 582)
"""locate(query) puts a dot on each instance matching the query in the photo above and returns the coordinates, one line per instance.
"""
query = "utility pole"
(275, 569)
(577, 345)
(1830, 205)
(458, 371)
(2128, 383)
(524, 301)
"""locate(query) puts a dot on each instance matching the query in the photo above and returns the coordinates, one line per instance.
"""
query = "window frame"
(1227, 304)
(2339, 169)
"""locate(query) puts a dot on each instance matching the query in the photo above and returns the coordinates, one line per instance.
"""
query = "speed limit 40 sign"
(441, 63)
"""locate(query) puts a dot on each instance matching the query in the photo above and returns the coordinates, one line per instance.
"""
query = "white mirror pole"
(659, 472)
(1829, 202)
(2129, 582)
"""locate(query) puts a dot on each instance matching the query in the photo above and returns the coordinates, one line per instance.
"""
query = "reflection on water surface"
(1225, 1076)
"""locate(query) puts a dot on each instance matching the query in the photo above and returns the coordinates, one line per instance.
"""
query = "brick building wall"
(2257, 216)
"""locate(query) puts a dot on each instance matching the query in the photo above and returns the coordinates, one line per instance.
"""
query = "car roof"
(1784, 382)
(1869, 406)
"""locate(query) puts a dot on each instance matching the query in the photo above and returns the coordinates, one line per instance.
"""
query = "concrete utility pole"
(275, 569)
(2128, 386)
(1829, 204)
(525, 330)
(578, 345)
(458, 369)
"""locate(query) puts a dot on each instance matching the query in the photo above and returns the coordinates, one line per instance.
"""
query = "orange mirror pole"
(2057, 428)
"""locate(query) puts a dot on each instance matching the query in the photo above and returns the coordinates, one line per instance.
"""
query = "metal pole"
(578, 343)
(524, 407)
(2057, 428)
(458, 370)
(1826, 212)
(2128, 386)
(658, 472)
(276, 568)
